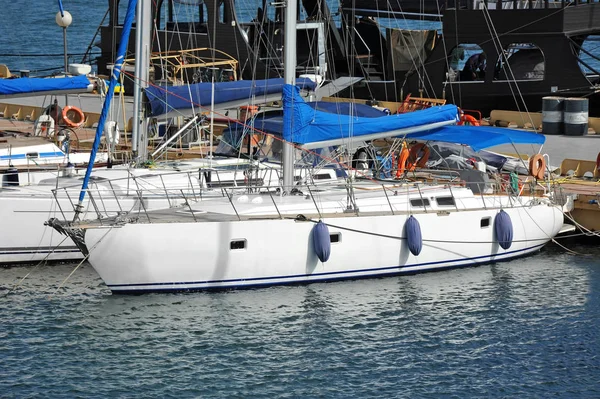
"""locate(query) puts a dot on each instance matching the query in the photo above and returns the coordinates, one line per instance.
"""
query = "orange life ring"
(73, 116)
(537, 166)
(402, 158)
(468, 120)
(415, 159)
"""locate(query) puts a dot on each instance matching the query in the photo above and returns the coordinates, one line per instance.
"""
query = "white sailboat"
(27, 198)
(312, 233)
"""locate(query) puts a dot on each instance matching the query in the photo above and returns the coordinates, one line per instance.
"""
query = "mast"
(114, 78)
(289, 64)
(143, 25)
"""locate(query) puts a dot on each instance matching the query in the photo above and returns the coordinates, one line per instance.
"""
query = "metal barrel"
(576, 116)
(552, 115)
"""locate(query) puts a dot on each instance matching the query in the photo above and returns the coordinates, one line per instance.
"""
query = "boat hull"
(139, 258)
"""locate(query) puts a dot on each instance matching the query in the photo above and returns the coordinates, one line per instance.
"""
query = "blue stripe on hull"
(261, 282)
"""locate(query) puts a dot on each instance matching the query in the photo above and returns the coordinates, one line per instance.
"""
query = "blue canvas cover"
(19, 86)
(164, 99)
(305, 125)
(479, 137)
(347, 109)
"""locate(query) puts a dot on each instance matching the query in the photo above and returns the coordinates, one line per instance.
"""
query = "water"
(526, 328)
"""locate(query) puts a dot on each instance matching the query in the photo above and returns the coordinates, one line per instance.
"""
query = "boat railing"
(182, 189)
(523, 4)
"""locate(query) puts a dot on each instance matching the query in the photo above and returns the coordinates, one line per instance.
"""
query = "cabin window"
(188, 16)
(335, 237)
(237, 244)
(445, 201)
(321, 176)
(419, 202)
(466, 63)
(31, 155)
(520, 61)
(485, 222)
(585, 55)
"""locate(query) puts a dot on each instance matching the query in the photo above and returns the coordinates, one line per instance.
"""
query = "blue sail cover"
(28, 86)
(347, 109)
(313, 126)
(479, 137)
(164, 99)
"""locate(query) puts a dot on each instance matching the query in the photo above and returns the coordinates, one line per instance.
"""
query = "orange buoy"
(537, 166)
(468, 120)
(73, 116)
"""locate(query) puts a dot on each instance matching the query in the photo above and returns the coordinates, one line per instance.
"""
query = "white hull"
(174, 256)
(23, 210)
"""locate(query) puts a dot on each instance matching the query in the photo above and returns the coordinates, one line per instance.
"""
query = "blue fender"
(412, 232)
(504, 229)
(321, 241)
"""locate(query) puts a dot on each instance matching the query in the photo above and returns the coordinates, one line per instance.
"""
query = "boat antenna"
(114, 78)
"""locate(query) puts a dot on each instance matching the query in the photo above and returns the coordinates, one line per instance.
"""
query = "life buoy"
(73, 116)
(418, 156)
(468, 120)
(402, 158)
(537, 166)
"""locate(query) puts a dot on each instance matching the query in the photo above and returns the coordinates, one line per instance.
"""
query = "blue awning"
(39, 86)
(479, 137)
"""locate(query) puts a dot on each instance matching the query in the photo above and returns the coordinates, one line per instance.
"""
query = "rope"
(302, 218)
(43, 261)
(80, 263)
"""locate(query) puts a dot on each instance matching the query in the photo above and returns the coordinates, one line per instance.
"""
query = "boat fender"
(73, 116)
(412, 232)
(598, 162)
(504, 229)
(321, 241)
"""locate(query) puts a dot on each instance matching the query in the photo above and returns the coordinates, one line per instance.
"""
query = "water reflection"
(508, 328)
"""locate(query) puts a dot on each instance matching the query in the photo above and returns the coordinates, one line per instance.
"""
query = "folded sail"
(21, 87)
(313, 128)
(177, 98)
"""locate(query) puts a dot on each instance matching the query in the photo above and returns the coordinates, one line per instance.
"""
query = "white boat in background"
(35, 152)
(311, 232)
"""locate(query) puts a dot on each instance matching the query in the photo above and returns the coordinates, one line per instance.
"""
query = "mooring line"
(80, 263)
(35, 268)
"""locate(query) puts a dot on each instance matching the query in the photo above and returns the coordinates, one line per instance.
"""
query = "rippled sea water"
(526, 328)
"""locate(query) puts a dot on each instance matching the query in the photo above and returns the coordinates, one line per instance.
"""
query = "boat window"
(485, 222)
(321, 176)
(237, 244)
(33, 155)
(466, 63)
(335, 237)
(445, 201)
(520, 61)
(419, 202)
(586, 56)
